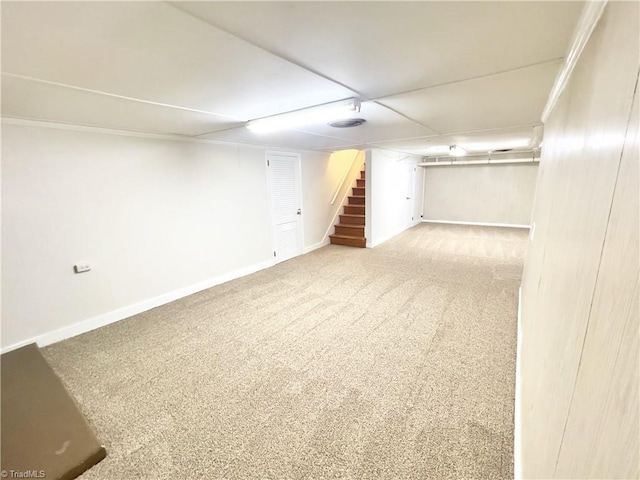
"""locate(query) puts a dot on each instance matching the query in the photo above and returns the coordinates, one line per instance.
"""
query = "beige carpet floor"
(386, 363)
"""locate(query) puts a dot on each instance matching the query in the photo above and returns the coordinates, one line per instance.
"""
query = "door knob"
(299, 212)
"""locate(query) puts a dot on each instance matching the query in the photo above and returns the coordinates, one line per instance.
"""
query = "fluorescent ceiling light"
(457, 151)
(442, 163)
(436, 150)
(498, 145)
(450, 150)
(324, 113)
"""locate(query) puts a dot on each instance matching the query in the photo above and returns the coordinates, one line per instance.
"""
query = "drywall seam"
(597, 279)
(113, 95)
(131, 133)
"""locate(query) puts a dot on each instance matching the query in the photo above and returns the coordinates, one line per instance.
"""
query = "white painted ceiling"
(429, 74)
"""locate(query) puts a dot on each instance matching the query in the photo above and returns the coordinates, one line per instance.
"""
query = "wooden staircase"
(350, 230)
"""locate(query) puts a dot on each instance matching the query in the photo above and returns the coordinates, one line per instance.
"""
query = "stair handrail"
(344, 177)
(353, 176)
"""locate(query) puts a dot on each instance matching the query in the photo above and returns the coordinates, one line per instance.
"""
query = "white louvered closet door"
(286, 209)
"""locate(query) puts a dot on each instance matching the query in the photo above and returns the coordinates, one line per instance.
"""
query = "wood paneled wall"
(579, 370)
(497, 193)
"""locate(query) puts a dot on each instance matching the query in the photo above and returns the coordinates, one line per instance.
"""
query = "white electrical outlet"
(81, 267)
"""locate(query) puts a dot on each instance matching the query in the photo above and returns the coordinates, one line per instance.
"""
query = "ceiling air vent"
(351, 122)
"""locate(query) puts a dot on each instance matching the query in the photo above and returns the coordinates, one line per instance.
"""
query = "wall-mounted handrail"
(344, 177)
(351, 175)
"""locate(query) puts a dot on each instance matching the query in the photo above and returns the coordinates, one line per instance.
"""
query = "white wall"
(501, 194)
(388, 211)
(156, 218)
(580, 309)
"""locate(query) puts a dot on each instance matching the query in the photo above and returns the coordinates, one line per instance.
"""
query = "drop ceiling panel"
(284, 139)
(153, 51)
(34, 100)
(245, 60)
(385, 48)
(503, 100)
(381, 124)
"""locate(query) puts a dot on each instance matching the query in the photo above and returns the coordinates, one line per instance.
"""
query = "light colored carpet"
(394, 362)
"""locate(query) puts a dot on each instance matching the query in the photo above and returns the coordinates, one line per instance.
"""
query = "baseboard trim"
(379, 242)
(389, 237)
(517, 442)
(316, 246)
(17, 345)
(481, 224)
(126, 312)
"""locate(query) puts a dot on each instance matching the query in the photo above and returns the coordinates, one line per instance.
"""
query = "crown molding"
(591, 13)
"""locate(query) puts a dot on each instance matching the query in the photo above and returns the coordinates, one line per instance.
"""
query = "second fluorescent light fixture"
(457, 151)
(307, 116)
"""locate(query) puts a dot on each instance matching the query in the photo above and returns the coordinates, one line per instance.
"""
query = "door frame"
(298, 179)
(411, 190)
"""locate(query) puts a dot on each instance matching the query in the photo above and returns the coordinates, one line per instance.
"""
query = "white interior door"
(411, 188)
(283, 173)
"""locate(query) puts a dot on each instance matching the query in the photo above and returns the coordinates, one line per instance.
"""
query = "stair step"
(359, 191)
(362, 174)
(354, 209)
(356, 200)
(348, 240)
(346, 229)
(360, 182)
(351, 219)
